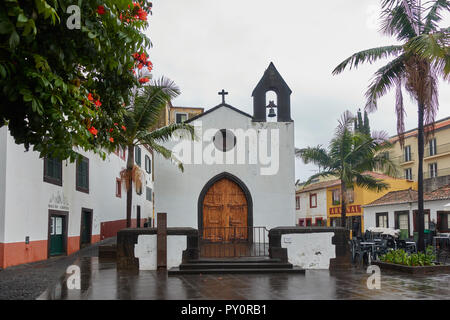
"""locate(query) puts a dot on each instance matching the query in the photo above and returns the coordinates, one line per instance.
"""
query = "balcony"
(440, 150)
(403, 159)
(440, 173)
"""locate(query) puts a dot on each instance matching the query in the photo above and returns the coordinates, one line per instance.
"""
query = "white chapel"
(239, 171)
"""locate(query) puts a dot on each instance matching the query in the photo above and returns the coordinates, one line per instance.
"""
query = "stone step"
(107, 251)
(235, 260)
(178, 271)
(235, 265)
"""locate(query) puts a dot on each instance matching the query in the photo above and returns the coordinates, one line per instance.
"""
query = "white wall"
(28, 197)
(273, 196)
(309, 250)
(146, 251)
(3, 155)
(433, 206)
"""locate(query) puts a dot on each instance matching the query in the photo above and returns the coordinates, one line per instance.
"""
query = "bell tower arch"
(272, 81)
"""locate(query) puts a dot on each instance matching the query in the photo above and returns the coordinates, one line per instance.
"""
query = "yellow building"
(358, 197)
(171, 114)
(436, 165)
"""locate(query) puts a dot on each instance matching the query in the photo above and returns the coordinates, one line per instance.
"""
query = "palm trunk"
(421, 242)
(343, 206)
(130, 163)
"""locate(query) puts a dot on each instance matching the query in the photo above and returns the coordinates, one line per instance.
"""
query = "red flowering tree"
(63, 85)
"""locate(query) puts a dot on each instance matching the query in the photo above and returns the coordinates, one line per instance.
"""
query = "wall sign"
(58, 201)
(350, 209)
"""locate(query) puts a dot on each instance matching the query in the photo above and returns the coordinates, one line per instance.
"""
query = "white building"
(53, 207)
(311, 203)
(240, 173)
(398, 210)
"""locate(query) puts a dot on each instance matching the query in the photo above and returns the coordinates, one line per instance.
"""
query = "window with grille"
(180, 117)
(148, 164)
(407, 153)
(432, 147)
(82, 175)
(148, 193)
(137, 155)
(53, 171)
(408, 174)
(297, 202)
(382, 220)
(433, 170)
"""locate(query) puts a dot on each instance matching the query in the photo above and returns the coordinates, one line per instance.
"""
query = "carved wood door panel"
(225, 212)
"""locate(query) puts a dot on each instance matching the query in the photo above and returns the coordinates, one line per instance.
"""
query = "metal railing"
(236, 241)
(440, 149)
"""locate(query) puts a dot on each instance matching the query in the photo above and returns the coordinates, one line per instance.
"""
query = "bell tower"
(272, 80)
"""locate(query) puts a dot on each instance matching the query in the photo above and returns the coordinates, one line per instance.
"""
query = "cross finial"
(223, 93)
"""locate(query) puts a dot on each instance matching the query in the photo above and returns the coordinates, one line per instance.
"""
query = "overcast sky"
(207, 45)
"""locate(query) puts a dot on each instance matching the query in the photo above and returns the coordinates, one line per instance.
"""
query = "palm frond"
(400, 18)
(323, 174)
(369, 182)
(316, 155)
(386, 77)
(186, 131)
(370, 55)
(434, 15)
(165, 153)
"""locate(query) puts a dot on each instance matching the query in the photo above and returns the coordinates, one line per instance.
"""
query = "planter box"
(413, 270)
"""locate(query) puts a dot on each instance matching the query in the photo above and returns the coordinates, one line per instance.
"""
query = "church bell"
(271, 110)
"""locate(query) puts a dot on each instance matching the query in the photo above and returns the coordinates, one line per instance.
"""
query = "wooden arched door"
(225, 212)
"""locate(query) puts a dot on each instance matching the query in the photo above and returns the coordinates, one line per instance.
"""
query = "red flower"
(124, 128)
(111, 130)
(140, 65)
(90, 98)
(116, 124)
(136, 55)
(97, 103)
(111, 139)
(101, 10)
(93, 131)
(143, 80)
(142, 15)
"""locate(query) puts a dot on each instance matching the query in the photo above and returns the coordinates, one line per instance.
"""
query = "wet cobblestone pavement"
(101, 280)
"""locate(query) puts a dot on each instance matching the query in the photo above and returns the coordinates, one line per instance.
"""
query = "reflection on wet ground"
(101, 280)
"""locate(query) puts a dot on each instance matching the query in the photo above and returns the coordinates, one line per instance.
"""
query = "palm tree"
(139, 120)
(350, 157)
(420, 59)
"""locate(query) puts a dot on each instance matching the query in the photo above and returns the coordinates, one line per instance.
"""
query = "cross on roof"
(223, 93)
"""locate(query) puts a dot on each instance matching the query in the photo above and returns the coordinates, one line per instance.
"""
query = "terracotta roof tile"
(409, 195)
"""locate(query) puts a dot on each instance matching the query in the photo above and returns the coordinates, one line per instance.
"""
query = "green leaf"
(14, 40)
(22, 18)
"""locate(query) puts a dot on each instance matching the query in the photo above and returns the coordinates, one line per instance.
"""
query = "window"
(433, 169)
(350, 195)
(224, 140)
(53, 171)
(118, 188)
(138, 189)
(336, 196)
(148, 164)
(382, 220)
(319, 222)
(407, 156)
(180, 117)
(432, 147)
(122, 153)
(82, 175)
(426, 218)
(301, 222)
(148, 193)
(313, 200)
(297, 202)
(408, 174)
(308, 222)
(137, 155)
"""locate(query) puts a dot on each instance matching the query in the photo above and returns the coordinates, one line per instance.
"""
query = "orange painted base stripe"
(15, 253)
